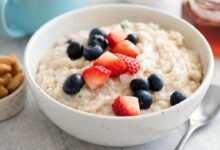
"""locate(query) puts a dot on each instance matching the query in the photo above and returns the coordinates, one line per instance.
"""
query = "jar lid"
(205, 12)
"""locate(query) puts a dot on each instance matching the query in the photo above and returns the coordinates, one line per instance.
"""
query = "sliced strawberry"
(111, 62)
(126, 106)
(127, 48)
(96, 76)
(117, 35)
(132, 65)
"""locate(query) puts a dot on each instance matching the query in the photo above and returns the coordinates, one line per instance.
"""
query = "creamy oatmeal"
(162, 52)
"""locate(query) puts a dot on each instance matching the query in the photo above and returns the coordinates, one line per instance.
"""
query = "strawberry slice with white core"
(115, 36)
(96, 76)
(126, 106)
(127, 48)
(132, 65)
(112, 63)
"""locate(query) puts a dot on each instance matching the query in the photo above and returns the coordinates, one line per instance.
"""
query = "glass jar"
(205, 16)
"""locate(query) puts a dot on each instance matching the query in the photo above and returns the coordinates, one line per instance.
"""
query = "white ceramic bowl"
(106, 130)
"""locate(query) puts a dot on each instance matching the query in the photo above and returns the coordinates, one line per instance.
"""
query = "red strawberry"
(96, 76)
(126, 106)
(127, 48)
(132, 65)
(117, 35)
(112, 63)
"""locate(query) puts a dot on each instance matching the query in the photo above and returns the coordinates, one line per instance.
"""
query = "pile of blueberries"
(142, 86)
(97, 45)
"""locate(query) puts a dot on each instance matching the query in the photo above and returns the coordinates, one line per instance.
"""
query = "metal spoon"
(203, 114)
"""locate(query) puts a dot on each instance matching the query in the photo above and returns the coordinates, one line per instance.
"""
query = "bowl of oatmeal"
(138, 74)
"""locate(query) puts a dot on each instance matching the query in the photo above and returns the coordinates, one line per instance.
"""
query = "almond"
(4, 79)
(5, 69)
(16, 68)
(8, 60)
(15, 82)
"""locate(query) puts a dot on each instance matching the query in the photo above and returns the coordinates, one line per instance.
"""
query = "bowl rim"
(205, 81)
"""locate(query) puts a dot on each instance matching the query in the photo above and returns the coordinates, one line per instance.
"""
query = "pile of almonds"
(11, 75)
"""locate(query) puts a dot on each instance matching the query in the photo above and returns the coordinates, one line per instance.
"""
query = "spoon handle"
(186, 136)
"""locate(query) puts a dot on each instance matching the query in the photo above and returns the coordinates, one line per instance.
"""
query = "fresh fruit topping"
(139, 84)
(98, 40)
(144, 98)
(156, 83)
(132, 65)
(92, 52)
(97, 31)
(69, 41)
(177, 97)
(132, 38)
(116, 36)
(126, 106)
(127, 48)
(75, 50)
(111, 62)
(73, 84)
(96, 76)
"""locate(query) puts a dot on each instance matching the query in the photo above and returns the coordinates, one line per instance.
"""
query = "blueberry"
(73, 84)
(92, 52)
(132, 38)
(156, 83)
(97, 31)
(98, 40)
(144, 98)
(176, 98)
(139, 84)
(75, 50)
(69, 41)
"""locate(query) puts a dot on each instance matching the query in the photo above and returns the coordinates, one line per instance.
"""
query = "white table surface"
(32, 130)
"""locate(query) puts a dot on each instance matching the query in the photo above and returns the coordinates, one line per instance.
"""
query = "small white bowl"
(107, 130)
(13, 103)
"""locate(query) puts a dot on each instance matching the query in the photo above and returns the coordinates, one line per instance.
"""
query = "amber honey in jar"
(205, 16)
